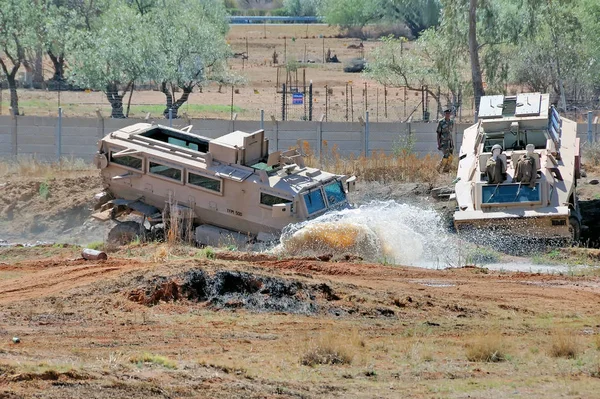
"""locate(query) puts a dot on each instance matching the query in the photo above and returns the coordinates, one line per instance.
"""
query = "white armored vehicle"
(229, 189)
(517, 171)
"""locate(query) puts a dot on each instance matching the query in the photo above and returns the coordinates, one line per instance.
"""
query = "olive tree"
(113, 56)
(302, 7)
(427, 63)
(417, 15)
(62, 19)
(191, 51)
(19, 26)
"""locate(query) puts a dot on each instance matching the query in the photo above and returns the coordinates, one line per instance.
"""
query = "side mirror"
(282, 210)
(351, 184)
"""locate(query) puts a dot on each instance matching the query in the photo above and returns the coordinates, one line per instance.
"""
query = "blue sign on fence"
(298, 98)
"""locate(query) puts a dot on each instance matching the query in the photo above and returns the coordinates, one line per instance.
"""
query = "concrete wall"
(31, 136)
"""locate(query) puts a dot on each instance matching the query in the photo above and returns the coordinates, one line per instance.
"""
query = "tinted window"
(177, 137)
(204, 182)
(183, 143)
(270, 200)
(335, 193)
(506, 193)
(129, 161)
(314, 201)
(166, 171)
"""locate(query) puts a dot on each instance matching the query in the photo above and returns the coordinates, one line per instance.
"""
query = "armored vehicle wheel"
(157, 232)
(575, 229)
(124, 232)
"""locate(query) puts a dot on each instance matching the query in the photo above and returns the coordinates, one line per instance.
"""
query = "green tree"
(549, 46)
(425, 64)
(192, 50)
(481, 31)
(19, 27)
(113, 56)
(62, 19)
(302, 8)
(560, 55)
(418, 15)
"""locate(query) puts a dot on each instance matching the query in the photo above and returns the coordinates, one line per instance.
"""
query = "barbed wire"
(339, 103)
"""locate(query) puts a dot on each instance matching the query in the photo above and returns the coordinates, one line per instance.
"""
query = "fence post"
(100, 123)
(13, 132)
(59, 135)
(275, 132)
(262, 119)
(367, 134)
(170, 117)
(283, 99)
(590, 138)
(320, 143)
(231, 109)
(326, 103)
(310, 101)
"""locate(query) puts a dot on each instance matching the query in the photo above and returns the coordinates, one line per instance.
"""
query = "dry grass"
(331, 347)
(179, 223)
(150, 358)
(591, 154)
(32, 167)
(403, 165)
(487, 348)
(564, 344)
(161, 254)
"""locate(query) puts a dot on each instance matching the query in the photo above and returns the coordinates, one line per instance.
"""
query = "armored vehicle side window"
(127, 160)
(166, 171)
(335, 193)
(314, 201)
(270, 200)
(204, 182)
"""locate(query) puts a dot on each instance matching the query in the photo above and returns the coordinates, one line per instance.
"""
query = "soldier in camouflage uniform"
(444, 140)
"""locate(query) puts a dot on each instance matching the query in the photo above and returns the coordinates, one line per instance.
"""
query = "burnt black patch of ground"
(233, 289)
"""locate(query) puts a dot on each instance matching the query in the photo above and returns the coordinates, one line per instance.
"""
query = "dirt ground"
(137, 328)
(50, 207)
(174, 321)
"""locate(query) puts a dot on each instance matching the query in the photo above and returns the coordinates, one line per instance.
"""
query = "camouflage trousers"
(446, 148)
(446, 162)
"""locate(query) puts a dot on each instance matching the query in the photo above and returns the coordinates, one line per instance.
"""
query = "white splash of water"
(405, 234)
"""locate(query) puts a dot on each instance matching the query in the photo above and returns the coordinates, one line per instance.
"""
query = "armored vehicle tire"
(157, 232)
(575, 229)
(123, 233)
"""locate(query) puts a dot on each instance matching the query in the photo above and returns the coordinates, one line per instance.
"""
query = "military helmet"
(496, 147)
(447, 111)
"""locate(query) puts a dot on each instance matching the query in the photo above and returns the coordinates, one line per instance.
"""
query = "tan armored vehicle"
(517, 171)
(230, 189)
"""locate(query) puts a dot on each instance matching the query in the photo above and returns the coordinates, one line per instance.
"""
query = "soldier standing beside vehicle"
(444, 141)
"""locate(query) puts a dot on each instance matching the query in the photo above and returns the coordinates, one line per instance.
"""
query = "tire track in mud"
(41, 281)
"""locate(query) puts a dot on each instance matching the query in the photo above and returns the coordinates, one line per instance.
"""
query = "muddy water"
(399, 233)
(385, 231)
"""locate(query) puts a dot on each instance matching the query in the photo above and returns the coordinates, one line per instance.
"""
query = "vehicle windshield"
(334, 192)
(515, 141)
(314, 201)
(507, 193)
